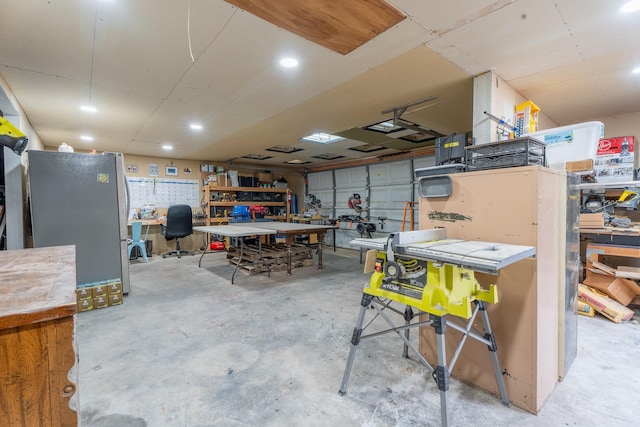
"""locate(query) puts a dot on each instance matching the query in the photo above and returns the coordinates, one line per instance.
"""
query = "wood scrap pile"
(610, 291)
(275, 256)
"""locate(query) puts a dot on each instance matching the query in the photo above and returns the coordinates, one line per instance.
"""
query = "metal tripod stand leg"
(355, 340)
(408, 316)
(441, 372)
(493, 348)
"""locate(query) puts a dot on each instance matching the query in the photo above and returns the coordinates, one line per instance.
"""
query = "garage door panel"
(390, 173)
(320, 181)
(351, 177)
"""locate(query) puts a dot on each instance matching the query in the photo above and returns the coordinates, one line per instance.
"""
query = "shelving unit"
(221, 199)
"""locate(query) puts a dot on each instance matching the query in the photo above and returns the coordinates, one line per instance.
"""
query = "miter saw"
(312, 205)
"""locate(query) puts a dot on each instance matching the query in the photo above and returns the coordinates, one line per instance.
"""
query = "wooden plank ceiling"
(341, 26)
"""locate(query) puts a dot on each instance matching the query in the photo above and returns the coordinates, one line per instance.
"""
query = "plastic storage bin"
(570, 143)
(503, 154)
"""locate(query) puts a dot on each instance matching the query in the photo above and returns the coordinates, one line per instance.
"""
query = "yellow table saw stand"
(437, 279)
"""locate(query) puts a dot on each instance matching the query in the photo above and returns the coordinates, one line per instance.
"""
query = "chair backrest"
(136, 231)
(179, 221)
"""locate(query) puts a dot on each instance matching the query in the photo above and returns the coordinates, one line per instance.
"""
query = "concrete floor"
(187, 348)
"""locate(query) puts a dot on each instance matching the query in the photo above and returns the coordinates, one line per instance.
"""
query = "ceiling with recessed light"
(154, 68)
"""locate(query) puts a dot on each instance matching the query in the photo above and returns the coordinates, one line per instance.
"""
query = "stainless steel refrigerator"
(80, 199)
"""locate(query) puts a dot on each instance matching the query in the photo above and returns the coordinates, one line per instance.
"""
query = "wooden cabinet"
(521, 206)
(222, 200)
(38, 362)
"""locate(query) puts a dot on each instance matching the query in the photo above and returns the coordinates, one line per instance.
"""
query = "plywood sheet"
(515, 206)
(339, 26)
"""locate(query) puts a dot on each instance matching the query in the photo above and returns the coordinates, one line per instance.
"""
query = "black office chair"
(179, 224)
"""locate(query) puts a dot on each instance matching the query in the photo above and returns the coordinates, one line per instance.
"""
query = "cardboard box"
(84, 293)
(115, 299)
(632, 273)
(615, 287)
(580, 166)
(85, 304)
(606, 306)
(615, 159)
(101, 301)
(223, 180)
(99, 290)
(114, 288)
(265, 177)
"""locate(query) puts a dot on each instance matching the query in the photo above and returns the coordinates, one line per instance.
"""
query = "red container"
(216, 246)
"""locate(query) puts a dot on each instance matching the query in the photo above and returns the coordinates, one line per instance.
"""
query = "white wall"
(622, 125)
(494, 95)
(22, 122)
(505, 99)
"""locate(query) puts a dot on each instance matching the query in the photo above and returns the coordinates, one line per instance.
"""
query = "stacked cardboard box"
(99, 295)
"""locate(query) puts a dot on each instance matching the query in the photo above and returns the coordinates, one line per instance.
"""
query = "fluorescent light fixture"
(289, 62)
(322, 138)
(630, 6)
(86, 138)
(167, 147)
(195, 126)
(89, 109)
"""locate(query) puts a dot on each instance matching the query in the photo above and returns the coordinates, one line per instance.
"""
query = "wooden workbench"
(37, 342)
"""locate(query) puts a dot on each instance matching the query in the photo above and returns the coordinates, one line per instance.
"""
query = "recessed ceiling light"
(289, 62)
(636, 70)
(322, 138)
(167, 147)
(630, 6)
(86, 138)
(89, 108)
(195, 126)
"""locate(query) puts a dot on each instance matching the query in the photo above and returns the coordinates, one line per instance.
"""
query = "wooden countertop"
(37, 285)
(631, 231)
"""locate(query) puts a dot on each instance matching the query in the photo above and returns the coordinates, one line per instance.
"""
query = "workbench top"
(37, 285)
